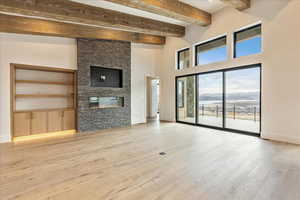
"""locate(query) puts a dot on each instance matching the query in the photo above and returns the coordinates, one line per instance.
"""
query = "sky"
(246, 80)
(237, 81)
(248, 47)
(243, 48)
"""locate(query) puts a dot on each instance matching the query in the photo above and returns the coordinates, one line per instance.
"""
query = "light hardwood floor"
(200, 164)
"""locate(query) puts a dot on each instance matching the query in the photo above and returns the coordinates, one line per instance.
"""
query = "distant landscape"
(244, 96)
(245, 105)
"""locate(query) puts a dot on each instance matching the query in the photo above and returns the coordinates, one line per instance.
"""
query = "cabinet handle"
(62, 114)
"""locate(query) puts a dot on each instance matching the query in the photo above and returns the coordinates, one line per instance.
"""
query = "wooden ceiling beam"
(26, 25)
(69, 11)
(238, 4)
(169, 8)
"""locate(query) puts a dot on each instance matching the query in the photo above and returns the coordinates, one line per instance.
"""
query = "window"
(247, 42)
(183, 59)
(227, 99)
(186, 99)
(210, 99)
(180, 93)
(242, 99)
(210, 52)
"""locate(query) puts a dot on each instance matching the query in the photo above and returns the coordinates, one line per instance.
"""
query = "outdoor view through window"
(228, 98)
(238, 99)
(243, 99)
(247, 42)
(212, 51)
(183, 59)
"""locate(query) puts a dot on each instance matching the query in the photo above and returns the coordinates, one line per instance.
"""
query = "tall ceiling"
(210, 6)
(142, 21)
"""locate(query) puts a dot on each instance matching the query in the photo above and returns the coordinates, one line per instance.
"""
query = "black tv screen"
(106, 77)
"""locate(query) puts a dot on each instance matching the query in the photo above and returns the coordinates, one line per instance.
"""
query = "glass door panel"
(186, 101)
(242, 97)
(210, 99)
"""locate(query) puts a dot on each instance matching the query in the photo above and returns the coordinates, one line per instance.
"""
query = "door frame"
(149, 96)
(223, 128)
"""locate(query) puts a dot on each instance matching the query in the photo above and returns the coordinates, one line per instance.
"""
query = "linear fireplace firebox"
(106, 77)
(106, 102)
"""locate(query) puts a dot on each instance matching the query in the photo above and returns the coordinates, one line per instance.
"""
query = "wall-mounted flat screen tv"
(106, 77)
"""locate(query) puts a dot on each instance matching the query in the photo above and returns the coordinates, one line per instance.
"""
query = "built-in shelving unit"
(43, 100)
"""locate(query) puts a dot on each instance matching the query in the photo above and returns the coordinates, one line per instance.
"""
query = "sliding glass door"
(186, 101)
(225, 99)
(210, 99)
(243, 99)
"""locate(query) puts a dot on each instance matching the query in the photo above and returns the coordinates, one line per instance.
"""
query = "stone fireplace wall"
(108, 54)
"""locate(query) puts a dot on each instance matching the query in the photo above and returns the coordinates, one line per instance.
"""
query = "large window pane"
(186, 106)
(212, 51)
(227, 99)
(210, 99)
(248, 41)
(183, 59)
(243, 99)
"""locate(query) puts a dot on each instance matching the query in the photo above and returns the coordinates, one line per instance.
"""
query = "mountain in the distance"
(230, 97)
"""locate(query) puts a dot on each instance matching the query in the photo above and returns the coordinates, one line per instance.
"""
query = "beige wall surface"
(62, 52)
(145, 62)
(280, 62)
(33, 50)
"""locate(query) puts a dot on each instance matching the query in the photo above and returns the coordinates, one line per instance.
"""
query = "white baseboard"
(138, 122)
(281, 138)
(4, 139)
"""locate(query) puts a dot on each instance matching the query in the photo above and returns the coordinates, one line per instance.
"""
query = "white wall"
(61, 52)
(33, 50)
(280, 62)
(145, 62)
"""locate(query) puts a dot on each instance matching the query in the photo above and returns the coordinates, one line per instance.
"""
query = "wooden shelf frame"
(44, 110)
(42, 68)
(44, 82)
(15, 96)
(43, 95)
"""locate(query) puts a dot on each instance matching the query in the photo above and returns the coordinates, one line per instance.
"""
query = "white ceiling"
(210, 6)
(132, 11)
(207, 5)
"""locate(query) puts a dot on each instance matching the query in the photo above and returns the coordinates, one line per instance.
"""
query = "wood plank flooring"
(200, 164)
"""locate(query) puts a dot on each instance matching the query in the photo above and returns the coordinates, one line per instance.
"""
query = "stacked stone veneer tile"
(108, 54)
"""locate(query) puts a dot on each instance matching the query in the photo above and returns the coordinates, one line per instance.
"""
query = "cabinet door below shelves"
(55, 121)
(22, 124)
(69, 120)
(39, 122)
